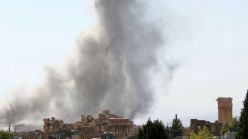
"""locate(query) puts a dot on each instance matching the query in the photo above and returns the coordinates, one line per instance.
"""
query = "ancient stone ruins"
(118, 127)
(224, 115)
(88, 127)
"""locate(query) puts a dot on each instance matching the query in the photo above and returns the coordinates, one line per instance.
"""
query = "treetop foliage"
(152, 130)
(5, 135)
(176, 128)
(243, 120)
(202, 134)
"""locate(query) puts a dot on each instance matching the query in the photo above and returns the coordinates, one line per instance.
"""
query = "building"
(224, 109)
(133, 134)
(214, 128)
(224, 115)
(88, 127)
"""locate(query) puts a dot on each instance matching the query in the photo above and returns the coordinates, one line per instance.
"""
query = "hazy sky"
(206, 39)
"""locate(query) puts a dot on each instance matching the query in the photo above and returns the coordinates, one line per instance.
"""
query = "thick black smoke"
(109, 70)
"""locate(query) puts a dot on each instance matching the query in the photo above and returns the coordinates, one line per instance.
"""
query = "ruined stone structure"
(214, 128)
(133, 134)
(88, 127)
(224, 109)
(224, 115)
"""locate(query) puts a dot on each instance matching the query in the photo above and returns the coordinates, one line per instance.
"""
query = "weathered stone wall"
(214, 128)
(90, 127)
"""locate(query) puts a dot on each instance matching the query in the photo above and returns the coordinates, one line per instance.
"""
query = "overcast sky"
(208, 41)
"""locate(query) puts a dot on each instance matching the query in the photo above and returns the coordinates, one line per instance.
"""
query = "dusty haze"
(110, 69)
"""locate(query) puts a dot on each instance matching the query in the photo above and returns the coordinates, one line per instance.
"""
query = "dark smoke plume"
(109, 70)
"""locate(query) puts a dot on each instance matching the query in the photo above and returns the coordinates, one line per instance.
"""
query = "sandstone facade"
(88, 127)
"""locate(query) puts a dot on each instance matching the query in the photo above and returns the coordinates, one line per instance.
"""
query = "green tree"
(202, 134)
(235, 125)
(152, 130)
(176, 128)
(243, 125)
(226, 128)
(231, 127)
(5, 135)
(193, 135)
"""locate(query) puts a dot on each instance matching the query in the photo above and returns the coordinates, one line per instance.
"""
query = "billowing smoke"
(110, 70)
